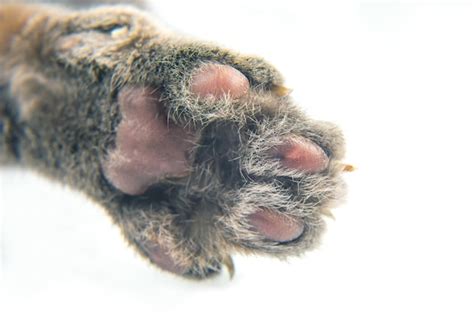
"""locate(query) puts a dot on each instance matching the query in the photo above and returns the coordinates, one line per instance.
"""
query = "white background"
(397, 76)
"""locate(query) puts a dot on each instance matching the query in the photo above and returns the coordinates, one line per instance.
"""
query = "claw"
(281, 90)
(229, 264)
(348, 168)
(327, 212)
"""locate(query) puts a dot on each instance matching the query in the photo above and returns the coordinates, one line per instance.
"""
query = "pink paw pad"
(215, 80)
(148, 146)
(276, 226)
(301, 154)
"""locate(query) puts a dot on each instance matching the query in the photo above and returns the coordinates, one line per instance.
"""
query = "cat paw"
(196, 152)
(258, 181)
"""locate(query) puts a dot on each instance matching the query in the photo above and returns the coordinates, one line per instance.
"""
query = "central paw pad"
(149, 147)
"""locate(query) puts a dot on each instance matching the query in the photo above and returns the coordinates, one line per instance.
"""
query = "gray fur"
(59, 79)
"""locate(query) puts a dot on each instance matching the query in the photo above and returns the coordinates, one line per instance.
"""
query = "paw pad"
(275, 226)
(215, 80)
(148, 146)
(301, 154)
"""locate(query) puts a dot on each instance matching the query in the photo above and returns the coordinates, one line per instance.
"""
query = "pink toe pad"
(275, 226)
(301, 154)
(215, 80)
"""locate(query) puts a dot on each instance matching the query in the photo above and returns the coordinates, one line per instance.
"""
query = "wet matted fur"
(61, 73)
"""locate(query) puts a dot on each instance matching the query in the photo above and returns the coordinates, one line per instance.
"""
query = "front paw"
(196, 152)
(256, 179)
